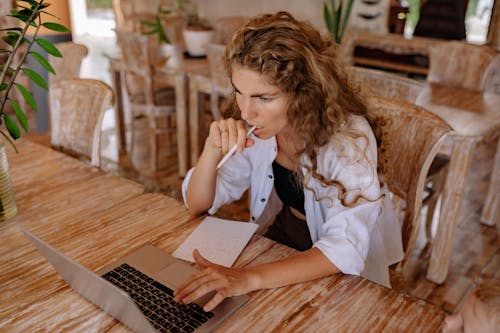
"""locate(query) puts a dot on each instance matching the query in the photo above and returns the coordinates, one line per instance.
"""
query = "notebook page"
(218, 240)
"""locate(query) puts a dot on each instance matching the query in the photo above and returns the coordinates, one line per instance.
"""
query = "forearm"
(304, 266)
(201, 189)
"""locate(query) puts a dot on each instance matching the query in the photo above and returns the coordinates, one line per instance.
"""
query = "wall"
(310, 10)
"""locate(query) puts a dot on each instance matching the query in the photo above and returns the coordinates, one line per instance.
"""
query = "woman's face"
(261, 103)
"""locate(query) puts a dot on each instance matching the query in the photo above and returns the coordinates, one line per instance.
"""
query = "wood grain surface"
(96, 218)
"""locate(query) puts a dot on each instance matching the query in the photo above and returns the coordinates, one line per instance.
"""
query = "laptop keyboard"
(156, 301)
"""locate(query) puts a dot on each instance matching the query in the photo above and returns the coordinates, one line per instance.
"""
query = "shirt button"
(262, 200)
(270, 176)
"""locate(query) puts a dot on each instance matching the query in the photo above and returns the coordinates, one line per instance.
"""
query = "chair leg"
(437, 187)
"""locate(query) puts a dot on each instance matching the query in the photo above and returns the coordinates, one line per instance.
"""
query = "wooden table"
(475, 117)
(95, 218)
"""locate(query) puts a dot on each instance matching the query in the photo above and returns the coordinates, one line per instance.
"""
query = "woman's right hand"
(225, 133)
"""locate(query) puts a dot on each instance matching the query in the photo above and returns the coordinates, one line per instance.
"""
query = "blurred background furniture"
(408, 139)
(77, 109)
(460, 64)
(388, 85)
(220, 83)
(226, 26)
(473, 115)
(68, 66)
(442, 19)
(370, 15)
(148, 99)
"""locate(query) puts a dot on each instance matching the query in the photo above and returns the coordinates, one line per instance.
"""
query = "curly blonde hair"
(293, 56)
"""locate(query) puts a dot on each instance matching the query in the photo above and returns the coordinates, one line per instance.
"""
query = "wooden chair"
(67, 67)
(408, 140)
(459, 64)
(226, 26)
(491, 208)
(492, 76)
(388, 85)
(220, 83)
(156, 104)
(77, 109)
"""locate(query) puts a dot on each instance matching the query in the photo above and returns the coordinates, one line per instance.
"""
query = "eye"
(265, 98)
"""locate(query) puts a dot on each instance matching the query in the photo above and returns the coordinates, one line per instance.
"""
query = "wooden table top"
(95, 218)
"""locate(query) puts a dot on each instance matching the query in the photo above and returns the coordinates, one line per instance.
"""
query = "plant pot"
(172, 53)
(197, 40)
(8, 208)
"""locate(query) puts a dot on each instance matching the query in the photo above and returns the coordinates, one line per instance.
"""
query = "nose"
(246, 107)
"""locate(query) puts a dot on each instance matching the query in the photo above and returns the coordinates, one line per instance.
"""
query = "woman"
(312, 146)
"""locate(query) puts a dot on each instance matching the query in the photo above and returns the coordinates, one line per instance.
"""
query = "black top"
(289, 192)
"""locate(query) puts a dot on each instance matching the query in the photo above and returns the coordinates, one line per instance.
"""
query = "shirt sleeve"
(345, 234)
(233, 179)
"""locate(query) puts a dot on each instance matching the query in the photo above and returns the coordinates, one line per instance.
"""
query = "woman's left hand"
(226, 282)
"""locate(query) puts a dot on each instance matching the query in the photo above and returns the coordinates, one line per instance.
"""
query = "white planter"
(197, 41)
(172, 53)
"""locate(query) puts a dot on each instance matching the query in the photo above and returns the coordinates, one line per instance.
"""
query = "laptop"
(138, 290)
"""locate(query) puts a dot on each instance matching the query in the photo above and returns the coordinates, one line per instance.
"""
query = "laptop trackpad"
(175, 274)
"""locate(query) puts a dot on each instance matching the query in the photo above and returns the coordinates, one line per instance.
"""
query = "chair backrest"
(221, 85)
(77, 109)
(68, 67)
(492, 76)
(136, 51)
(225, 27)
(388, 85)
(408, 139)
(459, 64)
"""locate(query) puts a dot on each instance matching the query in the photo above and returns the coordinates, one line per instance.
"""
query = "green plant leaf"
(55, 27)
(42, 61)
(49, 47)
(10, 70)
(35, 77)
(12, 29)
(27, 96)
(328, 19)
(346, 18)
(21, 117)
(3, 86)
(14, 131)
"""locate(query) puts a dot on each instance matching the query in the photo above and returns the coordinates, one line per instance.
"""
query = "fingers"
(226, 133)
(200, 260)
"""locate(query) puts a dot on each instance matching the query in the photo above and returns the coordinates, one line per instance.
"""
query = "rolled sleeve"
(346, 237)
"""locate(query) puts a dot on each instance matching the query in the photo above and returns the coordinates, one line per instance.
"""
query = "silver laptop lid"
(109, 298)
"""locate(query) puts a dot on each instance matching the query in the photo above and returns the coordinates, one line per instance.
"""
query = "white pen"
(233, 149)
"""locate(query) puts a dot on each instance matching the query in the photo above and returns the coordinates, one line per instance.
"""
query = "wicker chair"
(459, 64)
(68, 67)
(77, 109)
(408, 140)
(388, 85)
(220, 84)
(382, 84)
(156, 104)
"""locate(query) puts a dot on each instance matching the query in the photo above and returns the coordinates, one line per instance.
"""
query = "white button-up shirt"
(361, 240)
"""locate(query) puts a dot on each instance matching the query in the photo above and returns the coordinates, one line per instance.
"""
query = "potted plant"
(18, 46)
(336, 17)
(198, 32)
(168, 51)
